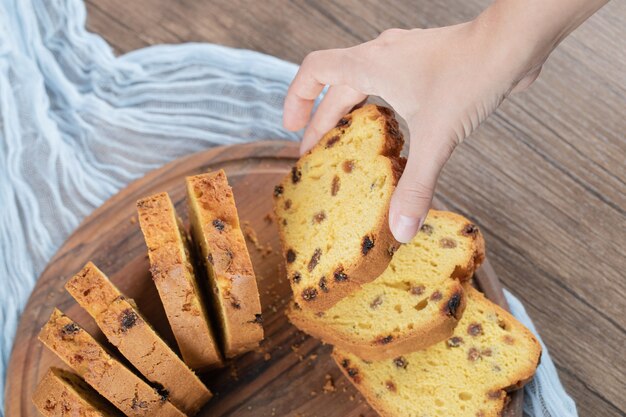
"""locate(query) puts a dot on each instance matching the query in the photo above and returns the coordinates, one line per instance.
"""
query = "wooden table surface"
(544, 177)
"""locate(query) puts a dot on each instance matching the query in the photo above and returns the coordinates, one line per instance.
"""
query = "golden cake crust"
(61, 393)
(80, 351)
(173, 275)
(217, 233)
(467, 375)
(126, 329)
(445, 290)
(377, 245)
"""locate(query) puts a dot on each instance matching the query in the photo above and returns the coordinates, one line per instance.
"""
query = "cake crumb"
(329, 384)
(313, 393)
(233, 372)
(133, 220)
(280, 270)
(252, 237)
(250, 234)
(267, 250)
(269, 218)
(267, 356)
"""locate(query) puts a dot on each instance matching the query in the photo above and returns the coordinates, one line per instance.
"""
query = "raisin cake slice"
(114, 381)
(332, 209)
(62, 393)
(415, 303)
(130, 333)
(467, 375)
(216, 231)
(173, 274)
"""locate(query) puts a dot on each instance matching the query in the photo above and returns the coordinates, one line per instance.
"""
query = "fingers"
(413, 195)
(318, 69)
(338, 101)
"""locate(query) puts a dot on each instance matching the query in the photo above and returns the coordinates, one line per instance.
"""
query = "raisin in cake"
(415, 303)
(61, 393)
(332, 209)
(467, 375)
(128, 331)
(114, 381)
(215, 229)
(173, 275)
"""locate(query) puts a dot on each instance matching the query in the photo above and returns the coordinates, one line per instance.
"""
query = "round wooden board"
(283, 378)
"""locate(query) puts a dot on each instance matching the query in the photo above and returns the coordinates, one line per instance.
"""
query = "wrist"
(519, 41)
(521, 34)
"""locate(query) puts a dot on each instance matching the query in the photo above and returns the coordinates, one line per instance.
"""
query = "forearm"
(528, 30)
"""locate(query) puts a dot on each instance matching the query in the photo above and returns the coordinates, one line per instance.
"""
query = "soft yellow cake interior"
(333, 200)
(413, 294)
(466, 375)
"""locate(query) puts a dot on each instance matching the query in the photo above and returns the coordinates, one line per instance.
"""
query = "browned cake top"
(61, 393)
(216, 229)
(214, 205)
(103, 372)
(123, 325)
(174, 277)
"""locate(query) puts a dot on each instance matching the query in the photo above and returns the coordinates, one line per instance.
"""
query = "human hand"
(444, 82)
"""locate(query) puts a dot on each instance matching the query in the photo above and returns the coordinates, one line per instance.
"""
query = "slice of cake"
(415, 303)
(129, 332)
(125, 390)
(332, 208)
(173, 275)
(61, 393)
(215, 229)
(467, 375)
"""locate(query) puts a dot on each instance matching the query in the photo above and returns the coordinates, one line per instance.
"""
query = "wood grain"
(284, 377)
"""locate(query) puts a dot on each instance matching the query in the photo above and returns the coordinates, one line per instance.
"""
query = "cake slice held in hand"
(415, 303)
(173, 275)
(114, 381)
(128, 331)
(466, 375)
(215, 229)
(332, 209)
(62, 393)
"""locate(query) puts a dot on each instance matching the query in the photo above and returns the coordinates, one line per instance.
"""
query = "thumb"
(414, 193)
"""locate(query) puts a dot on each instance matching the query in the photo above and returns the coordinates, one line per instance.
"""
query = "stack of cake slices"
(159, 383)
(408, 329)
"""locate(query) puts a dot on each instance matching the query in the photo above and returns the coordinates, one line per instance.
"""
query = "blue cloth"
(77, 124)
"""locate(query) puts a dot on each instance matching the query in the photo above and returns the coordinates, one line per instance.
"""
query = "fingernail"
(404, 228)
